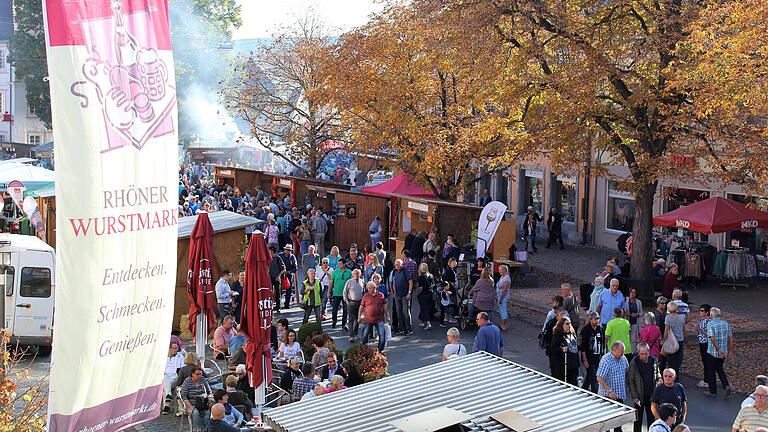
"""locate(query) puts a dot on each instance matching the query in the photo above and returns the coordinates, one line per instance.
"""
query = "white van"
(27, 279)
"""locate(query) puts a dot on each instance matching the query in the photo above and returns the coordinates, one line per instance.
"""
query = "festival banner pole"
(113, 102)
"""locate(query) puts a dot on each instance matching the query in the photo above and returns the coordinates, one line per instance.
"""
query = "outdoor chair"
(182, 411)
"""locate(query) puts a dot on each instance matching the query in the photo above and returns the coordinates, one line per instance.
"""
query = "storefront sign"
(685, 161)
(418, 206)
(225, 173)
(283, 182)
(113, 101)
(351, 211)
(534, 173)
(680, 223)
(749, 224)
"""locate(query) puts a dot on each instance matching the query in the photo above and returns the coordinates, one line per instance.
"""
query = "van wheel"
(44, 351)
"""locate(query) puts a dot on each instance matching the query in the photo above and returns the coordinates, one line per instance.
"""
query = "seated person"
(289, 347)
(354, 376)
(242, 382)
(232, 416)
(190, 360)
(305, 383)
(222, 336)
(317, 390)
(217, 423)
(237, 340)
(291, 373)
(173, 363)
(238, 397)
(238, 357)
(337, 383)
(321, 352)
(332, 368)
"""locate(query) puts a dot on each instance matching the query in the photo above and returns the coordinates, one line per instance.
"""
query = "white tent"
(31, 176)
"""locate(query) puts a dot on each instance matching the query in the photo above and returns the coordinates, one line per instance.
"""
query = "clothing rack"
(743, 254)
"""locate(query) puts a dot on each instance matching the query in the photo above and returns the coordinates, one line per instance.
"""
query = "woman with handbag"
(651, 335)
(197, 396)
(674, 337)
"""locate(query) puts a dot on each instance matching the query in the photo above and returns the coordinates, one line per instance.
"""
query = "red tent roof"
(714, 215)
(400, 185)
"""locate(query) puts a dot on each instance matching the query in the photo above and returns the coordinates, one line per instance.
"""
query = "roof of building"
(220, 220)
(437, 201)
(482, 387)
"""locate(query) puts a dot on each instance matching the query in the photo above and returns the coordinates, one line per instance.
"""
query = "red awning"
(400, 185)
(714, 215)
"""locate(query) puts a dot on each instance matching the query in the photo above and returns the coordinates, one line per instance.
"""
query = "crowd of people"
(635, 355)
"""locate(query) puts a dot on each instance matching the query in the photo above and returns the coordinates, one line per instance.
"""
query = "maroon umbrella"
(202, 297)
(256, 315)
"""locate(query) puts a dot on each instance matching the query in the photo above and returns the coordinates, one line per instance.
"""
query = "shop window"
(534, 190)
(502, 188)
(755, 239)
(621, 209)
(680, 197)
(566, 199)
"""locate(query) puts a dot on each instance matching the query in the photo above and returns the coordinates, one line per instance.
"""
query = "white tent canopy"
(31, 176)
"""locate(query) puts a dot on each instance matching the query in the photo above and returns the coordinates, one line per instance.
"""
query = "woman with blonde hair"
(425, 284)
(503, 291)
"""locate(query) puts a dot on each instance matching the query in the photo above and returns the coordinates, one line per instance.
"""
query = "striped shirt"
(614, 372)
(749, 418)
(190, 390)
(720, 330)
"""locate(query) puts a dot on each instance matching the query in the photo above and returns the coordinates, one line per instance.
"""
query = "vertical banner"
(490, 218)
(114, 121)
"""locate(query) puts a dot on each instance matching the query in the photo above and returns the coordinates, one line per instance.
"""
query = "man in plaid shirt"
(409, 264)
(612, 373)
(304, 384)
(719, 347)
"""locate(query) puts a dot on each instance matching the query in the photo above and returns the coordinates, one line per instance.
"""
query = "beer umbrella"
(713, 215)
(202, 297)
(256, 315)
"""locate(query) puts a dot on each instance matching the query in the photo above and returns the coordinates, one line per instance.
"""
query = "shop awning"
(400, 185)
(221, 220)
(713, 215)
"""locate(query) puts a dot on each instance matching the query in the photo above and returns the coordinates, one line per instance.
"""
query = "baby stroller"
(463, 305)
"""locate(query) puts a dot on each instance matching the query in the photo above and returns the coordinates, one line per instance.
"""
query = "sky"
(261, 18)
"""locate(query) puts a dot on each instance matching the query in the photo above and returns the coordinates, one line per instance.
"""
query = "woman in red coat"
(671, 281)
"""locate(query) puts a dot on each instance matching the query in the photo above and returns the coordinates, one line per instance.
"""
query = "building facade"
(594, 208)
(20, 123)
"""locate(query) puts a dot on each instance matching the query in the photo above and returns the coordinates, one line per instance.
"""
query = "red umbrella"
(713, 215)
(202, 297)
(256, 315)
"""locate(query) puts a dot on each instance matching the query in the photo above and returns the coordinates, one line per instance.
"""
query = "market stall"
(714, 215)
(444, 218)
(275, 184)
(351, 212)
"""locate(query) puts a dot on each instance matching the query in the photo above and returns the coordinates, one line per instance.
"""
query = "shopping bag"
(387, 332)
(670, 345)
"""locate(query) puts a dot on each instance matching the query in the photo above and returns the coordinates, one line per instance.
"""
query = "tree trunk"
(642, 252)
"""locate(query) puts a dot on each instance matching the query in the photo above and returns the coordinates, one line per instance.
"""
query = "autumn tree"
(275, 91)
(428, 91)
(604, 74)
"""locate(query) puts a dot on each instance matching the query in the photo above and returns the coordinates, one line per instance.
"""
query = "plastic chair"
(181, 408)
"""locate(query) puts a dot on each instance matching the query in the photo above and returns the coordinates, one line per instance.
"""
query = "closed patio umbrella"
(202, 297)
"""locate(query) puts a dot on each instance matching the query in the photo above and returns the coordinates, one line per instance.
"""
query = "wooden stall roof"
(346, 191)
(313, 181)
(439, 202)
(220, 220)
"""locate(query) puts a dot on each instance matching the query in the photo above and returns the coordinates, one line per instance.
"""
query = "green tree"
(27, 55)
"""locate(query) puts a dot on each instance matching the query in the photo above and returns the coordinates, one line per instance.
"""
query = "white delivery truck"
(27, 280)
